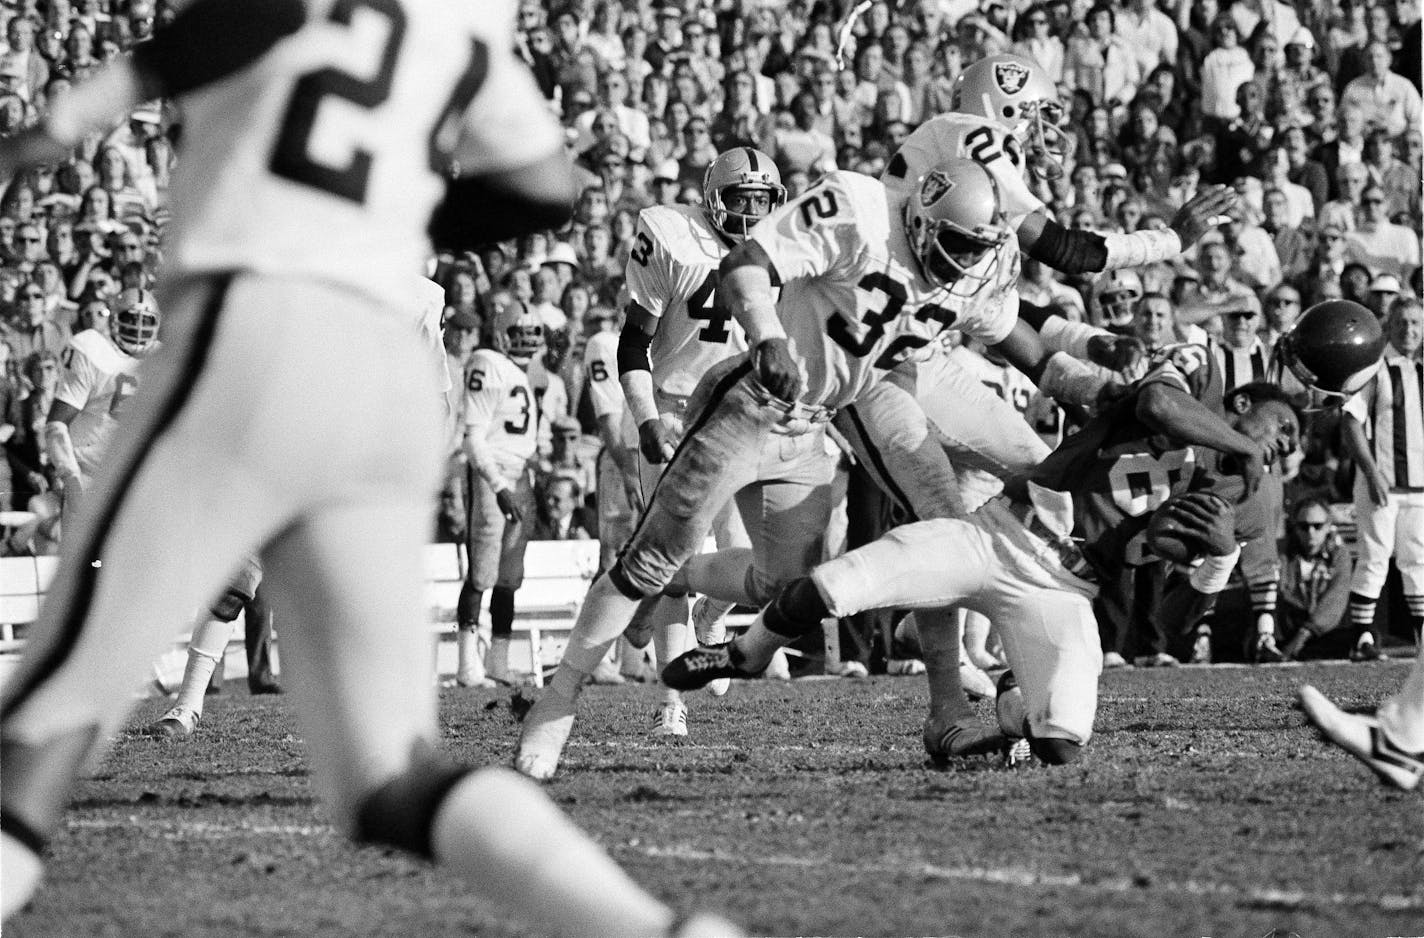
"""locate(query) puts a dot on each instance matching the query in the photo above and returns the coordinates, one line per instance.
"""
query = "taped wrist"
(797, 610)
(1141, 247)
(1211, 575)
(1069, 381)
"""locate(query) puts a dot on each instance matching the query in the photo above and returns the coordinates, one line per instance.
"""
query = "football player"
(674, 332)
(1032, 558)
(291, 410)
(501, 436)
(99, 378)
(867, 276)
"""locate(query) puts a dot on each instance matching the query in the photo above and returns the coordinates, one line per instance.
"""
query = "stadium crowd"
(1311, 111)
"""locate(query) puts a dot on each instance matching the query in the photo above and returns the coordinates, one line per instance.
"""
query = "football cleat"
(701, 666)
(1159, 660)
(1363, 737)
(904, 667)
(945, 741)
(1201, 647)
(1265, 651)
(177, 723)
(1113, 660)
(779, 669)
(670, 719)
(709, 624)
(1020, 752)
(546, 729)
(1366, 649)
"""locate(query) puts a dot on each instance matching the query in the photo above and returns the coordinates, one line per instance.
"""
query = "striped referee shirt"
(1241, 365)
(1391, 409)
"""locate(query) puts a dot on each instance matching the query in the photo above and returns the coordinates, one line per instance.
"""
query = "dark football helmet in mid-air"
(1334, 350)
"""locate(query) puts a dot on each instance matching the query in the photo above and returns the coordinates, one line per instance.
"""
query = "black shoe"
(1265, 651)
(265, 687)
(960, 739)
(1366, 649)
(702, 666)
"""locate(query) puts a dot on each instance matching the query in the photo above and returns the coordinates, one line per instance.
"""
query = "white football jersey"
(672, 273)
(500, 410)
(345, 129)
(1015, 389)
(600, 364)
(98, 379)
(853, 300)
(969, 137)
(429, 310)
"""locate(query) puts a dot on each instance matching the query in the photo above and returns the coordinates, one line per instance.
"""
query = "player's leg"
(163, 531)
(484, 538)
(205, 650)
(786, 511)
(708, 467)
(1375, 525)
(923, 565)
(513, 543)
(979, 429)
(1409, 558)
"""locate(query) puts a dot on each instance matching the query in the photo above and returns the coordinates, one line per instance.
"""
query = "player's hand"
(1109, 394)
(1378, 486)
(507, 507)
(656, 440)
(776, 369)
(1116, 352)
(1203, 212)
(1206, 517)
(1251, 467)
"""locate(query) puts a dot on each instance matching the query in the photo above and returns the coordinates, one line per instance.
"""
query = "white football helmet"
(1018, 94)
(1116, 293)
(739, 168)
(518, 332)
(134, 325)
(953, 220)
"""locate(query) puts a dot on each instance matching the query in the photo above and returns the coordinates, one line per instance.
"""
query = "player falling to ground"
(501, 437)
(1385, 430)
(673, 333)
(1008, 117)
(292, 410)
(867, 276)
(1031, 559)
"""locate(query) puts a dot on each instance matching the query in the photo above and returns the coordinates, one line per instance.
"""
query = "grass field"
(1205, 808)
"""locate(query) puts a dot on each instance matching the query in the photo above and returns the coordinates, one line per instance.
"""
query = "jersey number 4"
(291, 157)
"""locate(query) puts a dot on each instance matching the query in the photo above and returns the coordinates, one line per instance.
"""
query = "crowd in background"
(1311, 111)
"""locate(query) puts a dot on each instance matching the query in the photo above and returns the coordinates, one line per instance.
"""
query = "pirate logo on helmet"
(1010, 76)
(934, 187)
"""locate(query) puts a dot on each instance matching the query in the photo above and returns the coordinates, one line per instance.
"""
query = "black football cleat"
(701, 666)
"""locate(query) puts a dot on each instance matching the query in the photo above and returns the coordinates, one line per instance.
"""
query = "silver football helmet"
(1116, 293)
(518, 332)
(953, 220)
(739, 168)
(134, 325)
(1018, 94)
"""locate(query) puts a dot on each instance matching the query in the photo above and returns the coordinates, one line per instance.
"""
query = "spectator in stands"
(1398, 177)
(802, 147)
(1377, 242)
(1344, 210)
(1345, 147)
(1384, 290)
(1224, 70)
(1294, 246)
(1280, 308)
(1387, 99)
(1255, 262)
(1315, 584)
(561, 516)
(31, 332)
(25, 449)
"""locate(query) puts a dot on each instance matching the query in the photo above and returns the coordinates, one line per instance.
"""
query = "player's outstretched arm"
(1057, 374)
(746, 291)
(1076, 251)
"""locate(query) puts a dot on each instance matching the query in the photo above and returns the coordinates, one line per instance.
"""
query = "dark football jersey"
(1118, 470)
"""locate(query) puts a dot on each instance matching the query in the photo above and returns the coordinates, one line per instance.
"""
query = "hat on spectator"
(1385, 283)
(561, 252)
(1301, 37)
(668, 170)
(1115, 171)
(147, 114)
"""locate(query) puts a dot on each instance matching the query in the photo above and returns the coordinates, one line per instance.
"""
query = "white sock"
(1402, 713)
(758, 643)
(670, 637)
(20, 872)
(205, 649)
(501, 833)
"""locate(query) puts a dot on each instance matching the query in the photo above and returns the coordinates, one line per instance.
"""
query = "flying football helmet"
(739, 168)
(1116, 293)
(1018, 94)
(134, 325)
(953, 220)
(518, 332)
(1334, 350)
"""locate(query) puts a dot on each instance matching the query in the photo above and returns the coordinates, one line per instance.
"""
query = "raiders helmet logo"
(1010, 77)
(934, 187)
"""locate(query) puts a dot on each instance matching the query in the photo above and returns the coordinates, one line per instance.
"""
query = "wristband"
(1069, 381)
(1210, 576)
(1068, 337)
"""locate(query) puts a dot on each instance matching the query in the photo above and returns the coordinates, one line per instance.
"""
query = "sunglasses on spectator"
(1373, 200)
(1283, 300)
(1240, 314)
(34, 296)
(1312, 525)
(1038, 21)
(29, 239)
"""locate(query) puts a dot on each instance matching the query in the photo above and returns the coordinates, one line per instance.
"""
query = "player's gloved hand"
(776, 369)
(1208, 518)
(1116, 352)
(507, 506)
(656, 440)
(1203, 212)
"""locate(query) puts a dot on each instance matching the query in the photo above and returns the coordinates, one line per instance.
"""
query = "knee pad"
(619, 578)
(1055, 751)
(797, 610)
(401, 812)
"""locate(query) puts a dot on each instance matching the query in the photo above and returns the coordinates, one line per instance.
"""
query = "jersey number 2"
(291, 157)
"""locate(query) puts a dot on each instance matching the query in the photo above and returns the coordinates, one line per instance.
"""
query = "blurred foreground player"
(293, 410)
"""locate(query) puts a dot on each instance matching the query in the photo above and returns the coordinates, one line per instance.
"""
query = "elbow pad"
(633, 345)
(212, 39)
(1073, 251)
